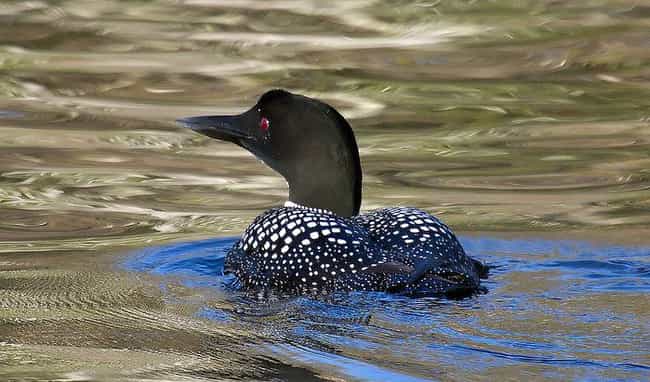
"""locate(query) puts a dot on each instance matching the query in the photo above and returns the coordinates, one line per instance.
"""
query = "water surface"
(524, 125)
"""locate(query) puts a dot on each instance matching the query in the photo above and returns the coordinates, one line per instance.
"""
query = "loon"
(317, 242)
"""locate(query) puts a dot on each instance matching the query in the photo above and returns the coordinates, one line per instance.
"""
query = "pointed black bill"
(227, 128)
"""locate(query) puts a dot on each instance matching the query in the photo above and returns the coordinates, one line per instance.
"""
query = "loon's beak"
(227, 127)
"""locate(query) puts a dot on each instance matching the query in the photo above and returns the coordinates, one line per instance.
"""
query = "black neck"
(332, 182)
(326, 189)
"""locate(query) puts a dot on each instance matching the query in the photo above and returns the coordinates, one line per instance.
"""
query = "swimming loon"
(318, 242)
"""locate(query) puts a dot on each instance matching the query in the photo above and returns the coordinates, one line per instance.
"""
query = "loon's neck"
(325, 192)
(330, 181)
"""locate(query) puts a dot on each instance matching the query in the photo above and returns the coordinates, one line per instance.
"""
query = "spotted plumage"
(299, 250)
(317, 241)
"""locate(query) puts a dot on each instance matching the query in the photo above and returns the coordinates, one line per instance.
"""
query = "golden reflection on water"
(513, 116)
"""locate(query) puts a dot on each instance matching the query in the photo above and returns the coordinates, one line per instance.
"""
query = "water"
(523, 125)
(556, 308)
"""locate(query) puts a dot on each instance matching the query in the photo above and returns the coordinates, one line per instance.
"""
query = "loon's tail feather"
(483, 270)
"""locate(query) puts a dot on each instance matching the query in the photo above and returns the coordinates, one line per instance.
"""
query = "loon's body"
(297, 249)
(317, 241)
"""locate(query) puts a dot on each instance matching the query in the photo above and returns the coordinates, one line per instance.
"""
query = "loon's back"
(293, 250)
(418, 239)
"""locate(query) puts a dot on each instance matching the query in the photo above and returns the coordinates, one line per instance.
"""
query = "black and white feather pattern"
(298, 250)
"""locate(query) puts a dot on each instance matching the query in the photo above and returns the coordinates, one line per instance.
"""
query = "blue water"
(561, 309)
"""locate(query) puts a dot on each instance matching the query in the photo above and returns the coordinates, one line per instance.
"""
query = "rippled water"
(524, 125)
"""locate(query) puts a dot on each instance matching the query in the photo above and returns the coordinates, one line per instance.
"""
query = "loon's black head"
(305, 140)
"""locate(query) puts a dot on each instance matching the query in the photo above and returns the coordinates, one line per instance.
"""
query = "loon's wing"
(425, 265)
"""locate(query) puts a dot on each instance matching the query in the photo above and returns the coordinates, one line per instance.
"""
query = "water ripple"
(341, 328)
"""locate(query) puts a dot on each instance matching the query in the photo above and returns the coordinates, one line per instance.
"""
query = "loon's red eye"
(264, 124)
